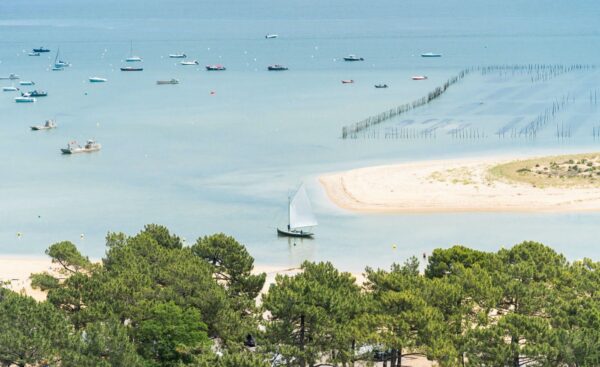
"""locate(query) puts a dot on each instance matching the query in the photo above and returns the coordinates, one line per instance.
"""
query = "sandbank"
(453, 185)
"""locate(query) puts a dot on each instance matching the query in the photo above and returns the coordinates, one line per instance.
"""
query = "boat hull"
(132, 69)
(294, 233)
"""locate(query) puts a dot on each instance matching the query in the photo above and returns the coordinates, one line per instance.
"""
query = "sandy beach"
(455, 185)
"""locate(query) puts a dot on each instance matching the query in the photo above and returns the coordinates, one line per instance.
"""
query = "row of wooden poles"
(351, 131)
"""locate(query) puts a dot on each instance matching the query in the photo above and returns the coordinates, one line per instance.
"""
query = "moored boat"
(347, 81)
(33, 54)
(73, 147)
(381, 85)
(353, 58)
(300, 215)
(217, 67)
(40, 49)
(27, 82)
(131, 68)
(59, 64)
(24, 99)
(49, 124)
(178, 56)
(431, 54)
(163, 82)
(419, 77)
(35, 93)
(10, 77)
(189, 63)
(10, 89)
(96, 79)
(276, 67)
(132, 57)
(269, 36)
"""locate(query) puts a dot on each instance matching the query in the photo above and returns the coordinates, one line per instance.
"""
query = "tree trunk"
(302, 360)
(352, 356)
(514, 341)
(393, 359)
(400, 357)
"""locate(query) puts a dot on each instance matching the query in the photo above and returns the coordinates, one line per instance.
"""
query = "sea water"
(221, 151)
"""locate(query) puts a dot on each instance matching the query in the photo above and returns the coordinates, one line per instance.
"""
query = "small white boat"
(57, 68)
(33, 54)
(177, 56)
(353, 58)
(347, 81)
(188, 63)
(163, 82)
(10, 89)
(60, 63)
(300, 215)
(269, 36)
(96, 79)
(10, 77)
(131, 57)
(431, 54)
(73, 147)
(25, 99)
(419, 77)
(27, 82)
(49, 124)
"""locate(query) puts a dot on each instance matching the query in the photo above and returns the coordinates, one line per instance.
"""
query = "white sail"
(301, 214)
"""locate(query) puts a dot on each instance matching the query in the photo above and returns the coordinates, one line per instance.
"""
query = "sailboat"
(131, 57)
(300, 215)
(58, 63)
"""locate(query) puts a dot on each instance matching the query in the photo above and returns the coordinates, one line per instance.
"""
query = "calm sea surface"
(202, 162)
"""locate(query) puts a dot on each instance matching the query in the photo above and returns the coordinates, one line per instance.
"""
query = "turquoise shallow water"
(202, 163)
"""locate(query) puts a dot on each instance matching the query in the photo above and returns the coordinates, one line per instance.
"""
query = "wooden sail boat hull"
(294, 233)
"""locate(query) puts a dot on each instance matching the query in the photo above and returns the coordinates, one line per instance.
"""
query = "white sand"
(448, 186)
(16, 271)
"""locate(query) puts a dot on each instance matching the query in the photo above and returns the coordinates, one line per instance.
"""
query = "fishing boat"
(269, 36)
(347, 81)
(419, 77)
(353, 58)
(189, 63)
(276, 67)
(163, 82)
(10, 89)
(431, 54)
(27, 82)
(131, 68)
(10, 77)
(132, 57)
(217, 67)
(35, 93)
(33, 54)
(96, 79)
(300, 215)
(40, 49)
(49, 124)
(381, 85)
(60, 63)
(24, 99)
(178, 56)
(73, 147)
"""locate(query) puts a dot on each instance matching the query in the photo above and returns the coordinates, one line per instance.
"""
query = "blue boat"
(41, 49)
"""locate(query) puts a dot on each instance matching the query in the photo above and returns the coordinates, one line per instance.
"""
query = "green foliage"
(66, 254)
(168, 334)
(244, 359)
(162, 236)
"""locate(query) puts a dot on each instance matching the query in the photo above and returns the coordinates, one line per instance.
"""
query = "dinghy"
(300, 215)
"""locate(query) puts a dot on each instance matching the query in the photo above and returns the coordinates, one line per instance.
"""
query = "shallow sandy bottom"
(449, 186)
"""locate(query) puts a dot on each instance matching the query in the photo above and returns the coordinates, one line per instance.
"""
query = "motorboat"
(276, 67)
(217, 67)
(353, 58)
(189, 63)
(40, 49)
(300, 216)
(27, 82)
(431, 54)
(35, 93)
(269, 36)
(163, 82)
(73, 147)
(131, 68)
(132, 57)
(49, 124)
(10, 77)
(33, 54)
(96, 79)
(10, 89)
(347, 81)
(381, 85)
(25, 99)
(177, 56)
(419, 77)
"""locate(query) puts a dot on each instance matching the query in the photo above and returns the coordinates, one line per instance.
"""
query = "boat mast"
(289, 213)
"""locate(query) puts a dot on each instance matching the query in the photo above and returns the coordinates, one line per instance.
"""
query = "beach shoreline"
(453, 185)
